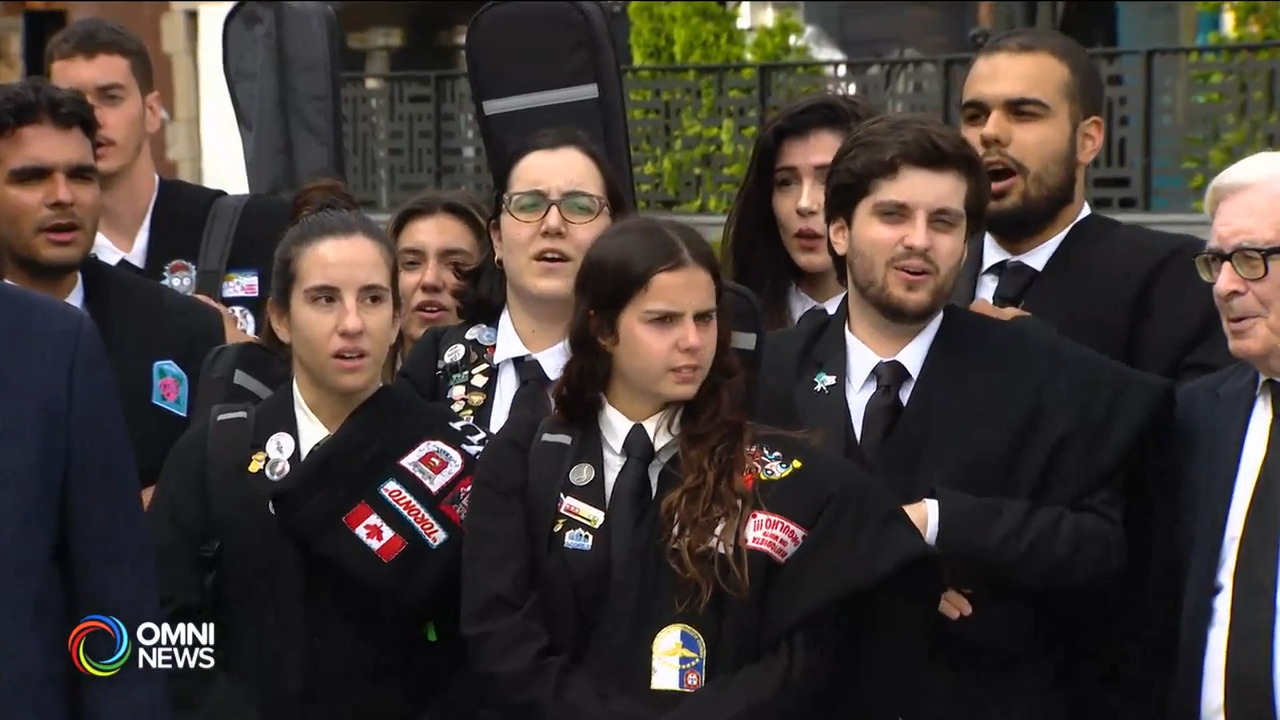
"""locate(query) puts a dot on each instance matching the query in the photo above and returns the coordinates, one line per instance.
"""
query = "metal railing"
(1173, 116)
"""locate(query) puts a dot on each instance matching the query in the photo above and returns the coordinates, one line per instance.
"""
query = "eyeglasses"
(1249, 263)
(577, 208)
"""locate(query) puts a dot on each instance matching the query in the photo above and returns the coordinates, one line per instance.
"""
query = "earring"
(498, 261)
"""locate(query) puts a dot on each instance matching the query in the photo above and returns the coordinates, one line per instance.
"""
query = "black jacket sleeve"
(512, 655)
(182, 526)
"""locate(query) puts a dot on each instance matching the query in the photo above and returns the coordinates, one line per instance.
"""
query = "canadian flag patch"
(374, 532)
(773, 535)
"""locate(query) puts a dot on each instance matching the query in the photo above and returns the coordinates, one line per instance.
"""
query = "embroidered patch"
(768, 465)
(434, 463)
(169, 387)
(582, 512)
(374, 532)
(240, 284)
(773, 535)
(427, 526)
(457, 503)
(679, 661)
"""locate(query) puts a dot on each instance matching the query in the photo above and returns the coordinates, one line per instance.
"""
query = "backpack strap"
(215, 244)
(229, 437)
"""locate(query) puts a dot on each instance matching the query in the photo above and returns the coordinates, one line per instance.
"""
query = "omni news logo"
(164, 646)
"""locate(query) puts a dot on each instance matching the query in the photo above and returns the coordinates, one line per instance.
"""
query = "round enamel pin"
(489, 336)
(474, 332)
(455, 353)
(581, 474)
(277, 468)
(280, 446)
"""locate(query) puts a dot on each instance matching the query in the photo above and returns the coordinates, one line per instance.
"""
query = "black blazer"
(1212, 416)
(74, 542)
(311, 621)
(1025, 439)
(426, 374)
(157, 340)
(177, 226)
(1126, 291)
(849, 608)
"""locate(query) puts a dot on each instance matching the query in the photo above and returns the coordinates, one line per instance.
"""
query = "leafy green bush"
(1237, 88)
(692, 152)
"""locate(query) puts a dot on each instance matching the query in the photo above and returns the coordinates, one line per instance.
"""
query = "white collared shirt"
(663, 429)
(860, 384)
(506, 351)
(1214, 680)
(75, 298)
(1037, 257)
(107, 251)
(799, 303)
(310, 430)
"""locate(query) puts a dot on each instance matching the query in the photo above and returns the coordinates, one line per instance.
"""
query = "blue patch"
(169, 387)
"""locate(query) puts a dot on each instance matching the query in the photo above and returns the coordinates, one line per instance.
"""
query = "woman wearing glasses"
(557, 198)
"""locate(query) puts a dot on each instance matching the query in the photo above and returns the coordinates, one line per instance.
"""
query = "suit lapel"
(1055, 293)
(271, 416)
(585, 566)
(819, 388)
(966, 287)
(101, 304)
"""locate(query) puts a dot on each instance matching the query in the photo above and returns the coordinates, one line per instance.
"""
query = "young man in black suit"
(150, 224)
(49, 203)
(1032, 109)
(1007, 444)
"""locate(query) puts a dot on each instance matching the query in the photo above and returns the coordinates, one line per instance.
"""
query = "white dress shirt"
(310, 430)
(75, 298)
(1037, 257)
(1214, 682)
(107, 251)
(860, 384)
(663, 429)
(506, 351)
(799, 303)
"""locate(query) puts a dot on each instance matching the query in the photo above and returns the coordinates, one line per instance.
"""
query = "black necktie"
(883, 408)
(531, 397)
(632, 493)
(1250, 677)
(1015, 278)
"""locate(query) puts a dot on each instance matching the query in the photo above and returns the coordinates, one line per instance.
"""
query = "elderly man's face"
(1250, 309)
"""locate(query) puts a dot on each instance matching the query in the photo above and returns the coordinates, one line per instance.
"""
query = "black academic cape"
(1026, 440)
(1126, 291)
(834, 623)
(334, 587)
(156, 339)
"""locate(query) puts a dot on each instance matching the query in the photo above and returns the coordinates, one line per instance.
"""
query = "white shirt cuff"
(931, 521)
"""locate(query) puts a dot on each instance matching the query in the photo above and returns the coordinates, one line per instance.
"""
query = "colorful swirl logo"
(99, 668)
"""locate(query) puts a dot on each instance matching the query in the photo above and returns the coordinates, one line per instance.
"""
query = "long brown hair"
(706, 510)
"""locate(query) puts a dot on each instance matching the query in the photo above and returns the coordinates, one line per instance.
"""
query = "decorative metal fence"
(1173, 116)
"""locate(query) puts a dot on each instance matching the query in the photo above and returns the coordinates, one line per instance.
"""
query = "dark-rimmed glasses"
(1249, 263)
(577, 208)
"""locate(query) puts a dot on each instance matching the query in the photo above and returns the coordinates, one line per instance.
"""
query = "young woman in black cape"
(644, 552)
(320, 529)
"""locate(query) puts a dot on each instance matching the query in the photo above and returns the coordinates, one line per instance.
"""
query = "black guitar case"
(539, 65)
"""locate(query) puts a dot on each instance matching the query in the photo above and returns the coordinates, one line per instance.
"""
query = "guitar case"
(540, 65)
(282, 63)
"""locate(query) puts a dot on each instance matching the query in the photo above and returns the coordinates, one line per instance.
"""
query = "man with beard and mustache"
(151, 225)
(49, 205)
(1007, 445)
(1032, 108)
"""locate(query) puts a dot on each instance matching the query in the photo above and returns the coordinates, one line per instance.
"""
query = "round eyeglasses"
(577, 208)
(1249, 263)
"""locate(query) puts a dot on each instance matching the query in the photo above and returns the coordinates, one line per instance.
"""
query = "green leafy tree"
(1236, 84)
(689, 67)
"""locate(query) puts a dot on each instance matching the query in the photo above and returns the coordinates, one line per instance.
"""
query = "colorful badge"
(427, 526)
(240, 284)
(455, 353)
(374, 532)
(577, 539)
(434, 463)
(773, 535)
(457, 503)
(181, 276)
(257, 461)
(169, 387)
(244, 319)
(769, 465)
(679, 659)
(822, 382)
(576, 509)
